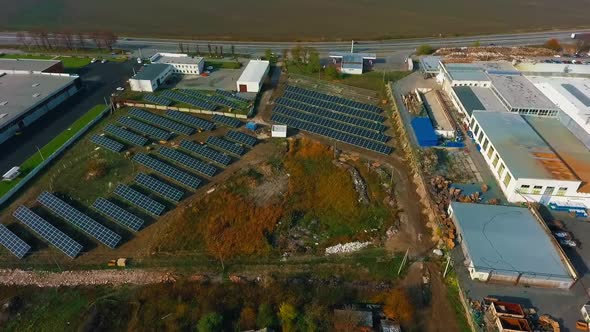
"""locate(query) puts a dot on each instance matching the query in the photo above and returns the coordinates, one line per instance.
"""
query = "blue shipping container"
(424, 132)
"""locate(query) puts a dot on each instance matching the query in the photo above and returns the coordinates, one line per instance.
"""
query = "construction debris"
(346, 248)
(491, 53)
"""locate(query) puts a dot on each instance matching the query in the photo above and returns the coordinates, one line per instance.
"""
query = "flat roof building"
(29, 66)
(510, 244)
(150, 77)
(26, 97)
(554, 69)
(471, 98)
(462, 74)
(253, 76)
(181, 63)
(520, 95)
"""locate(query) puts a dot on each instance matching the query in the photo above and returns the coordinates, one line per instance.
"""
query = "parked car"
(209, 67)
(139, 60)
(104, 61)
(120, 88)
(93, 60)
(562, 235)
(567, 243)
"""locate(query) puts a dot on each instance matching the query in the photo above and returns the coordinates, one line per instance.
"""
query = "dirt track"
(81, 278)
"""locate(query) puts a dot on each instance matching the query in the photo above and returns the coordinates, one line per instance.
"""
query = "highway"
(149, 46)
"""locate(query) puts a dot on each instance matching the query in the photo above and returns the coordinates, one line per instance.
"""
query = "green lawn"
(52, 146)
(217, 64)
(70, 62)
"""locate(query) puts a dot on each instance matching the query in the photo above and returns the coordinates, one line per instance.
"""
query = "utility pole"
(40, 153)
(447, 266)
(403, 262)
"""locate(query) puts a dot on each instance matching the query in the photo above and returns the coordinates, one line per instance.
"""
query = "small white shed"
(253, 76)
(279, 131)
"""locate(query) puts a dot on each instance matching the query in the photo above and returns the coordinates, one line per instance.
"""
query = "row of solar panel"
(168, 171)
(226, 120)
(145, 128)
(221, 97)
(345, 128)
(188, 100)
(156, 99)
(188, 161)
(222, 101)
(334, 99)
(161, 122)
(375, 126)
(333, 134)
(230, 95)
(335, 107)
(126, 135)
(190, 120)
(241, 138)
(205, 152)
(225, 145)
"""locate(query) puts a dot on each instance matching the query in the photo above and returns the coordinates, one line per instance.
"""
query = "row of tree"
(305, 58)
(212, 50)
(66, 39)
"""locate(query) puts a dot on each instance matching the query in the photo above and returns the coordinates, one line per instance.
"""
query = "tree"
(95, 36)
(233, 51)
(314, 64)
(209, 47)
(476, 43)
(296, 54)
(109, 39)
(180, 47)
(268, 54)
(81, 39)
(332, 73)
(287, 315)
(21, 38)
(221, 50)
(197, 49)
(211, 322)
(397, 306)
(425, 50)
(265, 317)
(285, 55)
(553, 44)
(247, 318)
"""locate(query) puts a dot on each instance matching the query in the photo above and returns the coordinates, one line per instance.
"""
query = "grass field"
(70, 63)
(36, 159)
(303, 19)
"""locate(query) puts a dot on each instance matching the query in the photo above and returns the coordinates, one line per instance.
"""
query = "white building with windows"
(150, 77)
(181, 63)
(529, 167)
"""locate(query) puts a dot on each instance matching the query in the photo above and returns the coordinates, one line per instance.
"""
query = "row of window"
(536, 112)
(185, 66)
(538, 190)
(488, 151)
(485, 85)
(186, 71)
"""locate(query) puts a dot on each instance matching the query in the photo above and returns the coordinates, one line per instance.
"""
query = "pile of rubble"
(346, 248)
(491, 53)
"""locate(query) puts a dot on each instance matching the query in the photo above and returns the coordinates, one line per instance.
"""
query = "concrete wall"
(142, 85)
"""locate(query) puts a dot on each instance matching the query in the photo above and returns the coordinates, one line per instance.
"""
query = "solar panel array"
(126, 135)
(225, 145)
(166, 170)
(161, 121)
(140, 200)
(372, 125)
(334, 99)
(144, 128)
(79, 219)
(156, 99)
(107, 143)
(335, 107)
(161, 188)
(230, 95)
(241, 138)
(190, 120)
(206, 152)
(222, 101)
(195, 93)
(48, 232)
(333, 134)
(188, 100)
(13, 243)
(343, 127)
(118, 214)
(225, 120)
(188, 161)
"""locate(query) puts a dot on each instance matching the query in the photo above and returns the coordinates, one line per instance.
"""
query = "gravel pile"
(81, 278)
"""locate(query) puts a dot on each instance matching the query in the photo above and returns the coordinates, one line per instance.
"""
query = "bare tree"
(209, 47)
(221, 50)
(95, 36)
(109, 39)
(233, 51)
(68, 38)
(197, 49)
(36, 37)
(181, 47)
(21, 38)
(81, 39)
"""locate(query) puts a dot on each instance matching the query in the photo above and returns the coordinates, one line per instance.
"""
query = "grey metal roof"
(466, 72)
(151, 71)
(524, 152)
(187, 60)
(507, 238)
(21, 92)
(519, 92)
(478, 99)
(430, 63)
(32, 65)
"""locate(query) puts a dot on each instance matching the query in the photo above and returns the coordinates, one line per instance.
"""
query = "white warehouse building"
(181, 63)
(253, 76)
(150, 77)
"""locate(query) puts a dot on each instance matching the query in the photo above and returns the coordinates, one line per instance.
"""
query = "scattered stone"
(346, 248)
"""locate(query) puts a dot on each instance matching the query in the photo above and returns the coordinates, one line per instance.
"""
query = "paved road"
(100, 80)
(384, 47)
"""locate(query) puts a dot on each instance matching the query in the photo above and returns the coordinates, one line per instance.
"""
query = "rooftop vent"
(3, 103)
(36, 85)
(36, 95)
(3, 115)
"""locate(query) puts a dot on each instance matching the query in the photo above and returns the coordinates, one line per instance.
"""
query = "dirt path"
(81, 278)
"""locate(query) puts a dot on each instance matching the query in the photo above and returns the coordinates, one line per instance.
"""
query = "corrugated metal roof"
(519, 92)
(151, 71)
(507, 238)
(524, 152)
(466, 72)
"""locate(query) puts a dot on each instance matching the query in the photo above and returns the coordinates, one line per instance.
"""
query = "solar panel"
(241, 138)
(13, 243)
(118, 214)
(335, 107)
(330, 114)
(205, 152)
(190, 120)
(156, 100)
(48, 232)
(188, 161)
(146, 129)
(126, 135)
(161, 188)
(225, 120)
(168, 171)
(195, 93)
(107, 143)
(223, 102)
(79, 219)
(230, 95)
(334, 99)
(188, 100)
(343, 127)
(161, 122)
(333, 134)
(225, 145)
(140, 200)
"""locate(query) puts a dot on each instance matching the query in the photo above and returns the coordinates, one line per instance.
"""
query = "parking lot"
(224, 79)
